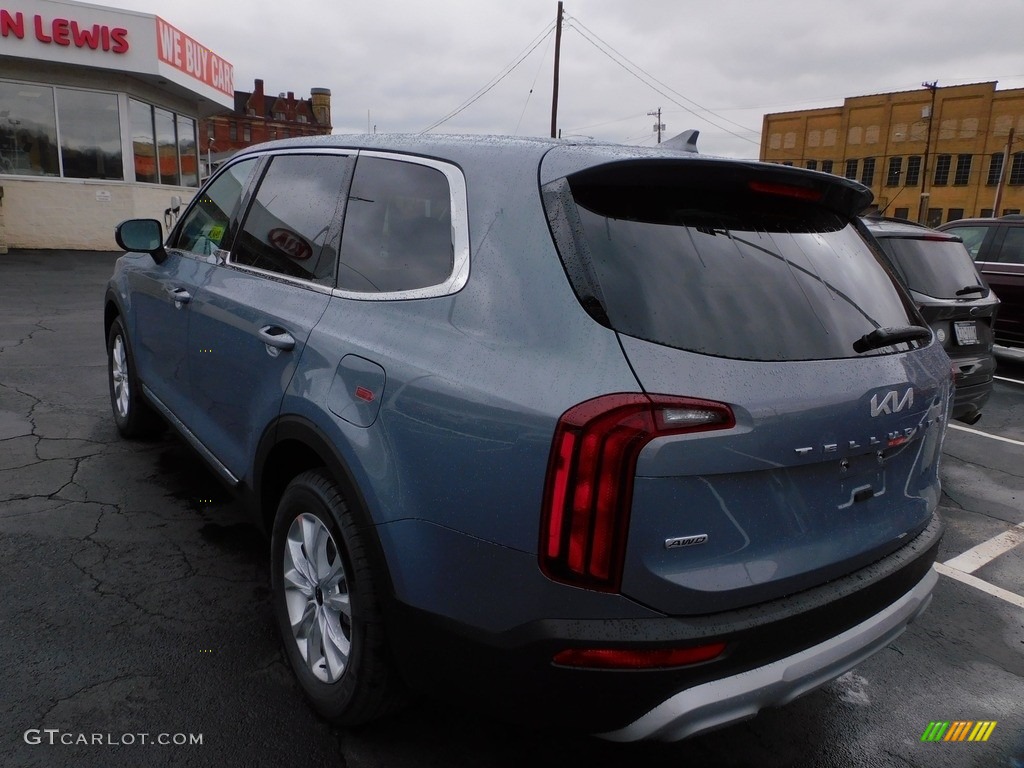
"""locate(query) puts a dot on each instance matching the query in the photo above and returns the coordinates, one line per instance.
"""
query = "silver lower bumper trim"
(740, 697)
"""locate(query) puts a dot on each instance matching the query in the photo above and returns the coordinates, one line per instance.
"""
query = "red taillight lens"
(654, 658)
(589, 486)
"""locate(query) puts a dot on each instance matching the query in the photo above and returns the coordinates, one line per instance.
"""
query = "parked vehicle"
(944, 283)
(997, 246)
(623, 440)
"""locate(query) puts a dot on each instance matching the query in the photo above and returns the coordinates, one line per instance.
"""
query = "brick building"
(258, 117)
(936, 154)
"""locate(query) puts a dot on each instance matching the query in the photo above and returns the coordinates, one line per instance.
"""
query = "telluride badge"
(685, 541)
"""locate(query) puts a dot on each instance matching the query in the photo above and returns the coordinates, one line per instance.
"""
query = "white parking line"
(986, 434)
(987, 551)
(984, 586)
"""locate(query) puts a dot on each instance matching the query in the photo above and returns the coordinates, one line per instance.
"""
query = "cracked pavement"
(136, 600)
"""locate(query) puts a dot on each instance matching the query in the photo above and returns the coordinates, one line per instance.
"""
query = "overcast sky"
(718, 65)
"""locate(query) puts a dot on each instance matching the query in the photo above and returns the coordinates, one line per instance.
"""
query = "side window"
(398, 228)
(972, 237)
(291, 227)
(205, 226)
(1012, 249)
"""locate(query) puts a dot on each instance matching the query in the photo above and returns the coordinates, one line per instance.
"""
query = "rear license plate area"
(966, 332)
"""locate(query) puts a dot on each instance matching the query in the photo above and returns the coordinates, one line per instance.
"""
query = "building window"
(955, 214)
(913, 170)
(89, 129)
(962, 177)
(164, 145)
(785, 162)
(995, 169)
(301, 119)
(902, 213)
(90, 135)
(246, 133)
(987, 213)
(812, 165)
(942, 164)
(934, 217)
(892, 176)
(1017, 168)
(233, 131)
(851, 169)
(867, 176)
(826, 166)
(279, 116)
(188, 152)
(143, 145)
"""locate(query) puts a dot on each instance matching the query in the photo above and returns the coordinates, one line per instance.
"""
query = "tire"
(327, 606)
(133, 416)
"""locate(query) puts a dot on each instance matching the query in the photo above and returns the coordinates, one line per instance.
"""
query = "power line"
(601, 46)
(495, 80)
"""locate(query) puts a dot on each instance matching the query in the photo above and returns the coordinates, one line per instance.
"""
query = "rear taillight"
(589, 487)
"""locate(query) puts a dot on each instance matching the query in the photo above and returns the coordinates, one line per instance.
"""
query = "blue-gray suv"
(630, 441)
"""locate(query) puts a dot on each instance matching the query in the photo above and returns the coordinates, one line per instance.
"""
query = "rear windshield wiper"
(884, 337)
(972, 289)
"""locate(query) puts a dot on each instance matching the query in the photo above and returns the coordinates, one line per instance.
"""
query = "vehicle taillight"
(589, 486)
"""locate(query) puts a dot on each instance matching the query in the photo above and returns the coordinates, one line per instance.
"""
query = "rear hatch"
(751, 286)
(951, 296)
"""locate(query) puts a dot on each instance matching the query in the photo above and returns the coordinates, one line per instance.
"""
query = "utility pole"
(1002, 176)
(922, 213)
(554, 87)
(658, 126)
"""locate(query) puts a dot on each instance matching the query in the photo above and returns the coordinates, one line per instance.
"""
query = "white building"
(98, 115)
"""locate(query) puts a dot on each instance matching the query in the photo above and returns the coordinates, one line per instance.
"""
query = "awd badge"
(685, 541)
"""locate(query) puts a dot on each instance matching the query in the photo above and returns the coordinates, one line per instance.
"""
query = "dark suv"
(626, 440)
(997, 246)
(954, 300)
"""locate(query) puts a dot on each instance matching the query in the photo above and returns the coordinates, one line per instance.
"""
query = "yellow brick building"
(932, 155)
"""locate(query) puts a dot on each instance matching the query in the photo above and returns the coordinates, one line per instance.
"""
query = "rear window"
(938, 268)
(703, 263)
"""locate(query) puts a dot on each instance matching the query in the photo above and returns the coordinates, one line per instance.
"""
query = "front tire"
(132, 414)
(327, 605)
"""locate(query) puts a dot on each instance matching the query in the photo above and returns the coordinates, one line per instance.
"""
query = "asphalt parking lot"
(136, 600)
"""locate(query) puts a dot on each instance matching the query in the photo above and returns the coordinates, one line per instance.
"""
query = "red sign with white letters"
(183, 53)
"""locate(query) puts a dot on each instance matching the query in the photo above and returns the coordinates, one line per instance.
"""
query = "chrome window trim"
(460, 235)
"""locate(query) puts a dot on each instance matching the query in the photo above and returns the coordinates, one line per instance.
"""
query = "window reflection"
(90, 134)
(142, 141)
(28, 130)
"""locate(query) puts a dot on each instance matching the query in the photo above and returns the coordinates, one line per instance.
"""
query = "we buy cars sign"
(183, 53)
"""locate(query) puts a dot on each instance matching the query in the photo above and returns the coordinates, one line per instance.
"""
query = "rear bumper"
(775, 651)
(742, 696)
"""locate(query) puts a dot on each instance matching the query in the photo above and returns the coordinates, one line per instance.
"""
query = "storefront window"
(90, 135)
(28, 130)
(141, 116)
(167, 146)
(163, 143)
(187, 153)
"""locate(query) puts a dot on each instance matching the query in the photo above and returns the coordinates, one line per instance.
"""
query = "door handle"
(180, 295)
(277, 337)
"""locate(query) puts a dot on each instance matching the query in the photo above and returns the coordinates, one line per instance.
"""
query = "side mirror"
(143, 236)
